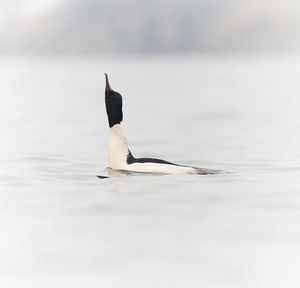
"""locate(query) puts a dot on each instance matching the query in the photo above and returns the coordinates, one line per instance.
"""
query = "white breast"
(118, 149)
(118, 152)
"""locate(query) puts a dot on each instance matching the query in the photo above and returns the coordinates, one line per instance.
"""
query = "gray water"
(61, 226)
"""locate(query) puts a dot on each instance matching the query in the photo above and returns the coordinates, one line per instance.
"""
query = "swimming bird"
(121, 158)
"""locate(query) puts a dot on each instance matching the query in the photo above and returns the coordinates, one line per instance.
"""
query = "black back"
(131, 159)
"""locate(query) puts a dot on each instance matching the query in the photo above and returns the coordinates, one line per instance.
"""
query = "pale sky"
(86, 26)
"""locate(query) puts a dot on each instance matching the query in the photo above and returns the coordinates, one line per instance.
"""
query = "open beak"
(107, 88)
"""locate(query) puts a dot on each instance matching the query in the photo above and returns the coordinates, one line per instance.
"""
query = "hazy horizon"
(53, 26)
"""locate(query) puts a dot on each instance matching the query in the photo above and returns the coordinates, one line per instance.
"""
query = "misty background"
(205, 83)
(137, 26)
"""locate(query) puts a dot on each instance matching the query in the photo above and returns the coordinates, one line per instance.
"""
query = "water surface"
(61, 226)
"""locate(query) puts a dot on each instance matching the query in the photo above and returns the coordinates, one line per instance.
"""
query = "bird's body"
(120, 157)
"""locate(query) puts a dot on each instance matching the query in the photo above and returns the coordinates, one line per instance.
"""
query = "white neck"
(118, 149)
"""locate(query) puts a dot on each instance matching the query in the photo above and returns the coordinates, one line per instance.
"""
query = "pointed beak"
(107, 88)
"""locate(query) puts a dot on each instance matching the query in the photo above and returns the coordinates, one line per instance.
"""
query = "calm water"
(61, 226)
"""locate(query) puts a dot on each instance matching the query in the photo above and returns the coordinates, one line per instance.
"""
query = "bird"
(121, 158)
